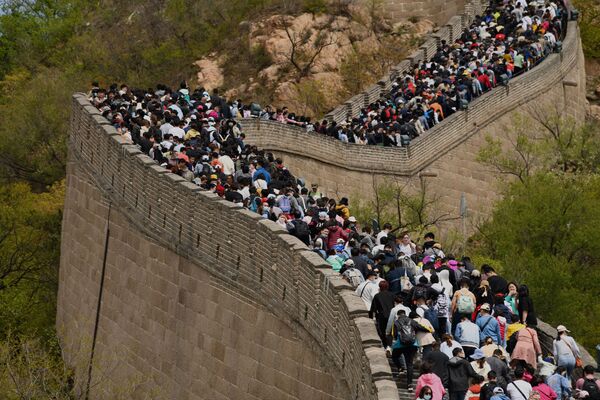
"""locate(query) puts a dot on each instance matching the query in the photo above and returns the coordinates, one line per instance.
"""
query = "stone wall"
(438, 11)
(452, 17)
(446, 155)
(199, 299)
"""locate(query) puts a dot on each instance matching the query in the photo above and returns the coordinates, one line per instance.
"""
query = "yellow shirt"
(192, 133)
(512, 328)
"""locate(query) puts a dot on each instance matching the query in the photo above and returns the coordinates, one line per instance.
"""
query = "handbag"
(405, 282)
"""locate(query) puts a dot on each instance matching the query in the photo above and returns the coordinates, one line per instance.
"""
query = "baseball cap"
(477, 355)
(486, 307)
(352, 219)
(562, 328)
(498, 390)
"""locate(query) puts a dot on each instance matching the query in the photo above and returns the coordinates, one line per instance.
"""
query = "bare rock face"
(326, 38)
(307, 51)
(594, 111)
(321, 90)
(210, 74)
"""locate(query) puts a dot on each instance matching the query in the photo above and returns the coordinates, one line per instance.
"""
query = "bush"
(315, 6)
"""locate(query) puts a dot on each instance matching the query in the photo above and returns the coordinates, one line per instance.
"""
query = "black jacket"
(439, 361)
(382, 304)
(459, 372)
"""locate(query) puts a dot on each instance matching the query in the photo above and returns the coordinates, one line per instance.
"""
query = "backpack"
(285, 205)
(301, 228)
(353, 276)
(441, 304)
(590, 386)
(465, 304)
(512, 342)
(420, 292)
(405, 332)
(432, 316)
(409, 265)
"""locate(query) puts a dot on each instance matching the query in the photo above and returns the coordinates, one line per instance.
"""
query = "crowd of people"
(471, 332)
(511, 37)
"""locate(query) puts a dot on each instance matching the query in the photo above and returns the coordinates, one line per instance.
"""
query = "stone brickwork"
(446, 155)
(438, 11)
(452, 17)
(200, 299)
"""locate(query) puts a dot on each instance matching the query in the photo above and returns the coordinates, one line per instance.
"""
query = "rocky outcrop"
(210, 74)
(308, 51)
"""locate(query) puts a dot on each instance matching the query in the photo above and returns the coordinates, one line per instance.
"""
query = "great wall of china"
(208, 301)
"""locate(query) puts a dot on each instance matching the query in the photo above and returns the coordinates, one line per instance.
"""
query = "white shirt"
(245, 192)
(549, 36)
(165, 128)
(260, 184)
(408, 249)
(367, 290)
(377, 249)
(380, 235)
(514, 393)
(228, 165)
(447, 350)
(177, 132)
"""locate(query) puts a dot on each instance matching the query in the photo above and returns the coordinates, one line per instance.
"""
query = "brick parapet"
(245, 252)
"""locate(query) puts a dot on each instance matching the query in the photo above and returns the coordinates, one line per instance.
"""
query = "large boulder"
(210, 74)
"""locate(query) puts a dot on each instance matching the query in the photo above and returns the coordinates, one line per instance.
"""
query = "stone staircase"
(400, 379)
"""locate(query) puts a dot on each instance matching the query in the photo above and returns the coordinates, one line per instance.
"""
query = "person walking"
(480, 364)
(488, 325)
(565, 350)
(432, 380)
(559, 382)
(519, 389)
(459, 372)
(467, 334)
(528, 347)
(404, 343)
(382, 304)
(525, 307)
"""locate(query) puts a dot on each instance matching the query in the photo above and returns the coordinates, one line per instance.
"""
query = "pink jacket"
(546, 392)
(434, 382)
(527, 347)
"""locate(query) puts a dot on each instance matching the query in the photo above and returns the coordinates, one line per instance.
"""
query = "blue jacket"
(491, 328)
(263, 171)
(560, 385)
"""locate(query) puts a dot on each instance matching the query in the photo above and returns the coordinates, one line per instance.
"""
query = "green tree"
(589, 26)
(407, 206)
(544, 230)
(29, 255)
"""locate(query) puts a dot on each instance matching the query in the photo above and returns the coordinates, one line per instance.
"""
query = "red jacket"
(335, 233)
